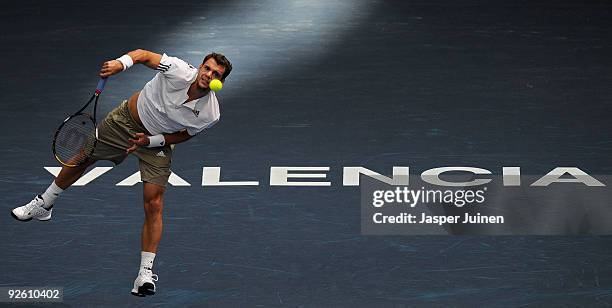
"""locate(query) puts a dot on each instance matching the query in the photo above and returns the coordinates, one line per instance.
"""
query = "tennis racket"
(76, 138)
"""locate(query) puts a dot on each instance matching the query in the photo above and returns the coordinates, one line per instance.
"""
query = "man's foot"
(144, 283)
(34, 209)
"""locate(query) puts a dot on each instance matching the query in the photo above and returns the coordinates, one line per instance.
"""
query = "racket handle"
(100, 86)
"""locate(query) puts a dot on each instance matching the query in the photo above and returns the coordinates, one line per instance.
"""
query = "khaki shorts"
(113, 134)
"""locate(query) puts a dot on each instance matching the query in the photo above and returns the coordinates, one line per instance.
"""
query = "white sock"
(51, 194)
(146, 260)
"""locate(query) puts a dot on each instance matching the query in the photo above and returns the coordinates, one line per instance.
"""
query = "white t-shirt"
(161, 103)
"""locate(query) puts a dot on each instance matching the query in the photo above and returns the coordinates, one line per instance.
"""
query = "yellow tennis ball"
(215, 85)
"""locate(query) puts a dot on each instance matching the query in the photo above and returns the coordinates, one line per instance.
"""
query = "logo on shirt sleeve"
(163, 67)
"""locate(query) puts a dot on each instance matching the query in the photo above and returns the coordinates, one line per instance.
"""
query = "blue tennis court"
(376, 84)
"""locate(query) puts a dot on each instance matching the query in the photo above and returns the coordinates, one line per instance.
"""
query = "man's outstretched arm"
(138, 56)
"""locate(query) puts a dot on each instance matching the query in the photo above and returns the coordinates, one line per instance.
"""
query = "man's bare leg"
(69, 175)
(153, 205)
(153, 196)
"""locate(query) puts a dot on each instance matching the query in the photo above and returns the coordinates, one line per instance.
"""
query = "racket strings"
(75, 140)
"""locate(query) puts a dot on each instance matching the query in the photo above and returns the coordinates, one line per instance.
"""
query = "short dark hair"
(221, 60)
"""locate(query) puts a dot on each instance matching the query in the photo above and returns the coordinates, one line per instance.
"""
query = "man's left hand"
(139, 140)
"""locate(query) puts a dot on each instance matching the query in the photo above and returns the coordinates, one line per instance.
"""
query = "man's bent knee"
(154, 207)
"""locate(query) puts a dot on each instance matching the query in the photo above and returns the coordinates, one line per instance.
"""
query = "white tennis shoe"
(144, 283)
(34, 209)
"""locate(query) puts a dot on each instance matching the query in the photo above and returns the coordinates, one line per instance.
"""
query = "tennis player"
(174, 106)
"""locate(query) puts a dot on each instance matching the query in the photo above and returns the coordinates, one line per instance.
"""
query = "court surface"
(355, 83)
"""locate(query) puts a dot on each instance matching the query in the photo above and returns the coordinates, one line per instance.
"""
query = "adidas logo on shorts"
(160, 154)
